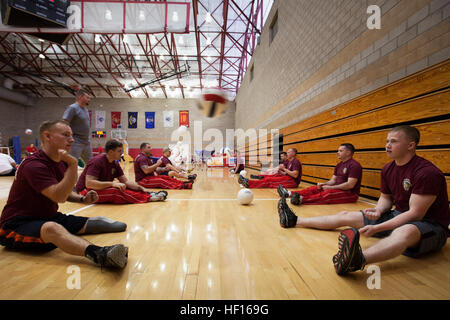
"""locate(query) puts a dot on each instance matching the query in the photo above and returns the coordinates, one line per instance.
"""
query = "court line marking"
(81, 209)
(174, 199)
(372, 204)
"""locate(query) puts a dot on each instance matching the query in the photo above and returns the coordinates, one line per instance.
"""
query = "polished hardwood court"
(201, 244)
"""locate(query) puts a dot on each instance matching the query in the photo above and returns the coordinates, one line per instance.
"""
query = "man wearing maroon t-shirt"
(103, 169)
(31, 221)
(145, 175)
(418, 225)
(167, 168)
(289, 175)
(342, 188)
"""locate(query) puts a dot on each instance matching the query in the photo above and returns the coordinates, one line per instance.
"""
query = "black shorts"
(24, 233)
(433, 235)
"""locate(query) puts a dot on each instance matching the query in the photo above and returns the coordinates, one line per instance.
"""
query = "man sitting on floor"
(167, 168)
(8, 166)
(30, 221)
(289, 175)
(145, 175)
(99, 175)
(342, 188)
(273, 171)
(418, 225)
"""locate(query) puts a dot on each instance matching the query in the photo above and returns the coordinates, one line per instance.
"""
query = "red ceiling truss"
(217, 49)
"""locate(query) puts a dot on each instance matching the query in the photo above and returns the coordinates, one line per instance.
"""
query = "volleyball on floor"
(243, 173)
(213, 102)
(245, 196)
(28, 131)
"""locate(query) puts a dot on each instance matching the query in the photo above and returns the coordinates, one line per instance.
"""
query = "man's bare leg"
(352, 219)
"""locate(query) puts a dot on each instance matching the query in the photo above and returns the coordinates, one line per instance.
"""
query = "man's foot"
(253, 176)
(287, 218)
(158, 196)
(282, 191)
(296, 198)
(243, 181)
(349, 257)
(192, 176)
(115, 256)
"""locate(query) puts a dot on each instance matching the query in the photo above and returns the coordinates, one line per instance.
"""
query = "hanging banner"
(150, 120)
(132, 120)
(168, 119)
(184, 118)
(100, 119)
(115, 119)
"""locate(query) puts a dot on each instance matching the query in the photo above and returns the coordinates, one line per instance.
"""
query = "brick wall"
(324, 55)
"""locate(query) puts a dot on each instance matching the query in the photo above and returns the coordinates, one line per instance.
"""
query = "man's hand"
(319, 185)
(326, 187)
(119, 185)
(90, 197)
(67, 158)
(141, 188)
(372, 213)
(368, 231)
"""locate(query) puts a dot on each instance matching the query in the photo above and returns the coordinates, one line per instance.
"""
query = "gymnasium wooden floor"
(201, 244)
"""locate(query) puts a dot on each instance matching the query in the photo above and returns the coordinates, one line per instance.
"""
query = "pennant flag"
(168, 119)
(184, 118)
(100, 119)
(115, 119)
(132, 120)
(150, 120)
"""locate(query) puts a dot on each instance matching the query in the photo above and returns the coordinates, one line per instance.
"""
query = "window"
(273, 27)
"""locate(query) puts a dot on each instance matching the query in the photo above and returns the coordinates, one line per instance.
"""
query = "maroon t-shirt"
(99, 167)
(418, 176)
(36, 173)
(165, 161)
(349, 169)
(140, 161)
(295, 165)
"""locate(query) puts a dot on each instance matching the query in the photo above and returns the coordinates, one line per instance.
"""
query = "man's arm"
(418, 207)
(150, 169)
(350, 184)
(292, 173)
(60, 192)
(130, 184)
(331, 182)
(95, 184)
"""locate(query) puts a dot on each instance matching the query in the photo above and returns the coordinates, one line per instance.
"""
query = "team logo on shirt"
(345, 170)
(406, 184)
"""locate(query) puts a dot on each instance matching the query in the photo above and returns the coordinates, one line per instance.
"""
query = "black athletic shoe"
(287, 218)
(282, 191)
(243, 181)
(349, 257)
(256, 177)
(192, 176)
(296, 198)
(115, 256)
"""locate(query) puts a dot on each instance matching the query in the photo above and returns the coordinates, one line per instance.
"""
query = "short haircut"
(166, 149)
(143, 145)
(80, 93)
(283, 153)
(112, 144)
(349, 147)
(293, 149)
(411, 133)
(47, 125)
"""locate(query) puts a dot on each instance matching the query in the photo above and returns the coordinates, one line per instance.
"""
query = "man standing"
(418, 225)
(289, 176)
(145, 172)
(77, 115)
(31, 221)
(342, 188)
(100, 173)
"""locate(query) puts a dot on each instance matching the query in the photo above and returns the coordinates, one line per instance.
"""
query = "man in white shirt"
(7, 165)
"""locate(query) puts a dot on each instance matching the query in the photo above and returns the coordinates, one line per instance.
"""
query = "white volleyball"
(245, 196)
